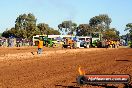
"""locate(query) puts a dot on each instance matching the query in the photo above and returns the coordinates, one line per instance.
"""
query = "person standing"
(40, 46)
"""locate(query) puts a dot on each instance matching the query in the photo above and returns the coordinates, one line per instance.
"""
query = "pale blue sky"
(54, 12)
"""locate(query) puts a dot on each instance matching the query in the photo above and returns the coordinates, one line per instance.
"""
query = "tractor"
(47, 41)
(68, 43)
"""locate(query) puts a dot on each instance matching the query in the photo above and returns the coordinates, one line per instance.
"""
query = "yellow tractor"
(68, 43)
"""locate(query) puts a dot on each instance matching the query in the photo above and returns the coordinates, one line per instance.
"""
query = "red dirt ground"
(57, 68)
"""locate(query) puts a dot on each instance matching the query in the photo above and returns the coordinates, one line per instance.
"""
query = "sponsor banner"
(104, 79)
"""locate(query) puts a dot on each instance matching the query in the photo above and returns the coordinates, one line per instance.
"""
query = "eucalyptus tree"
(100, 23)
(84, 29)
(129, 28)
(67, 27)
(26, 24)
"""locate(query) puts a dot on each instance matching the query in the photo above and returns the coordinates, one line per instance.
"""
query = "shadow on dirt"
(125, 60)
(112, 86)
(66, 86)
(93, 85)
(87, 86)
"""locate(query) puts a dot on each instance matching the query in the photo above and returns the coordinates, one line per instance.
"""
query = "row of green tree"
(98, 24)
(26, 27)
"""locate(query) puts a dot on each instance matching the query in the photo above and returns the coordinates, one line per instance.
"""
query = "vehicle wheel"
(80, 80)
(131, 46)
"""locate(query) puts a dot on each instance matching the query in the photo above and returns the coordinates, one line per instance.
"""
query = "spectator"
(40, 46)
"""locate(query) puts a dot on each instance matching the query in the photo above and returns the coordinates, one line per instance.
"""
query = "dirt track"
(59, 68)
